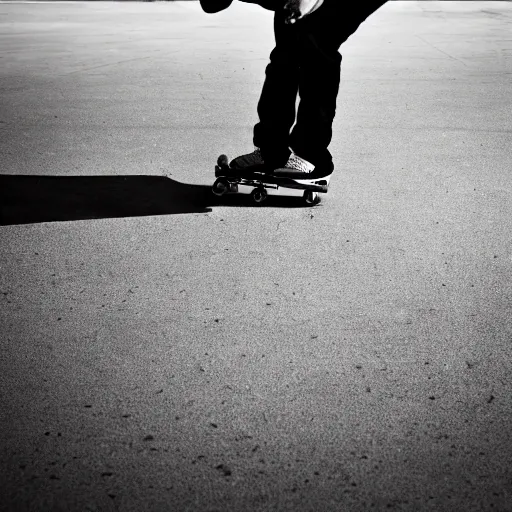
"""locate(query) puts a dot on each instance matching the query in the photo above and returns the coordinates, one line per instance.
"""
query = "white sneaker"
(298, 164)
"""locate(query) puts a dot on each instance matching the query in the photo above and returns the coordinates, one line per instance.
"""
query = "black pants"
(305, 60)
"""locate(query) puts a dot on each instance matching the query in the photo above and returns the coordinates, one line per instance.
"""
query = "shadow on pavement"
(33, 199)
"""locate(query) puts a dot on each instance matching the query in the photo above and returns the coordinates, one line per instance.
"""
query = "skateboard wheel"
(259, 195)
(311, 197)
(220, 187)
(223, 161)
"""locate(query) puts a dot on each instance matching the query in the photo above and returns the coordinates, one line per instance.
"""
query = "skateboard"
(228, 180)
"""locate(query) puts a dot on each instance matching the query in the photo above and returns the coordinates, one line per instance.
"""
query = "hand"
(297, 9)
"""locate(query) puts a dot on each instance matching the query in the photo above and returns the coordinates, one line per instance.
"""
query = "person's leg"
(319, 37)
(305, 60)
(276, 107)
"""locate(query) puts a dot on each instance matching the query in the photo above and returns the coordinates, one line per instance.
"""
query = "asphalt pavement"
(166, 350)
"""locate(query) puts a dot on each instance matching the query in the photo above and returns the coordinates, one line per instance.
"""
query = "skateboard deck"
(261, 180)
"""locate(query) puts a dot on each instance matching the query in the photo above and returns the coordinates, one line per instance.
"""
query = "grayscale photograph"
(255, 256)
